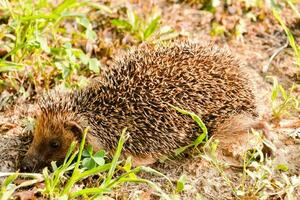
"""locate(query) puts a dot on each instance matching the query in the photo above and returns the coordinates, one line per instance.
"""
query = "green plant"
(260, 178)
(217, 29)
(144, 29)
(92, 160)
(180, 186)
(260, 174)
(290, 36)
(109, 181)
(39, 46)
(283, 102)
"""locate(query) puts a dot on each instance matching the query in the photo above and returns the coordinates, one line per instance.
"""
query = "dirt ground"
(254, 48)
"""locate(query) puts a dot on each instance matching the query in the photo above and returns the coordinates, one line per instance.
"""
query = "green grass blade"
(288, 33)
(76, 172)
(6, 191)
(6, 66)
(94, 171)
(121, 23)
(63, 6)
(116, 157)
(199, 122)
(70, 150)
(152, 27)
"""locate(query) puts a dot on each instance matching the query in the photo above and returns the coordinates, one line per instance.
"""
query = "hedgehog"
(136, 91)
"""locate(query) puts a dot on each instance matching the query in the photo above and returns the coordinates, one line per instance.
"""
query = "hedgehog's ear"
(75, 128)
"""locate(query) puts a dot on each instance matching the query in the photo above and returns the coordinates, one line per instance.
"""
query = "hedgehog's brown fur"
(135, 92)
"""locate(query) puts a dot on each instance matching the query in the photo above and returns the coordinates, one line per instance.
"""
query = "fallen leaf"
(26, 195)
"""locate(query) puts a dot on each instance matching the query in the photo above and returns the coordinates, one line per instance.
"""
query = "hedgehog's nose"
(25, 168)
(27, 165)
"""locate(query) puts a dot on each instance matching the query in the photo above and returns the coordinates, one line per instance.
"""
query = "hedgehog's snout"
(28, 164)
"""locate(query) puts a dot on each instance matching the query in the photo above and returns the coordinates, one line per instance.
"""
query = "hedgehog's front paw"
(143, 160)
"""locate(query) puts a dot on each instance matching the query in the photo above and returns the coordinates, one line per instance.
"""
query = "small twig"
(266, 67)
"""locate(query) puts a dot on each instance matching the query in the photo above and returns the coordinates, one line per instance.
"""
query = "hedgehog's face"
(52, 139)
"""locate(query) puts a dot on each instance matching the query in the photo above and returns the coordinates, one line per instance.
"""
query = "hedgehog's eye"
(54, 144)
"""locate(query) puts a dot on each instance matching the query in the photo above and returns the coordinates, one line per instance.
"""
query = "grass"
(284, 102)
(45, 44)
(41, 49)
(260, 177)
(60, 183)
(144, 28)
(289, 34)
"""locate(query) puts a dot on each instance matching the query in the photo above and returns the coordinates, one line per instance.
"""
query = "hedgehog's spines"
(136, 90)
